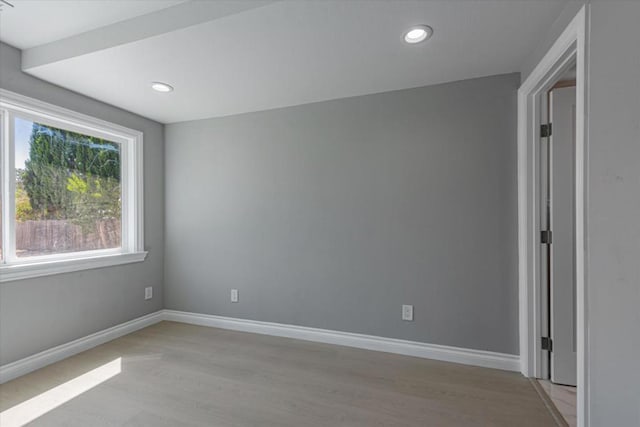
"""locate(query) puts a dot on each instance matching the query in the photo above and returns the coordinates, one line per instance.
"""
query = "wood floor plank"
(174, 374)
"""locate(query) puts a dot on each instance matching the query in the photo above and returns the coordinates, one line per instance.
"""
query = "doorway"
(557, 169)
(570, 48)
(558, 245)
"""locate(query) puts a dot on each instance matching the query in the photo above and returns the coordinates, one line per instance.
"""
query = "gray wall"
(334, 214)
(613, 288)
(38, 314)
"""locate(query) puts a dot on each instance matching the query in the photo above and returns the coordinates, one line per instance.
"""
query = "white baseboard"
(487, 359)
(39, 360)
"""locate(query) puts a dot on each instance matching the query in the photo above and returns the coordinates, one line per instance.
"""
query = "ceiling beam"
(163, 21)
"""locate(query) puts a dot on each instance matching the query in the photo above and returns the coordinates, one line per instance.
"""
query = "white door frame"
(569, 48)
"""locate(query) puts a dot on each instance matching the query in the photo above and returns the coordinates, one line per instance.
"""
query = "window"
(71, 194)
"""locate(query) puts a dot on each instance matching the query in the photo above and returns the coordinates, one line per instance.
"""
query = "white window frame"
(132, 175)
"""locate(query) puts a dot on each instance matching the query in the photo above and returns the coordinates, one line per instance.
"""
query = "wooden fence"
(55, 236)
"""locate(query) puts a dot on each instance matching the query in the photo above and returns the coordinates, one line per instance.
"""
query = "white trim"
(89, 123)
(136, 171)
(55, 354)
(5, 179)
(487, 359)
(132, 181)
(570, 46)
(13, 272)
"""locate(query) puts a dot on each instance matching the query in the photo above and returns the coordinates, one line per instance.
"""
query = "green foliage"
(46, 186)
(24, 212)
(77, 185)
(71, 176)
(93, 199)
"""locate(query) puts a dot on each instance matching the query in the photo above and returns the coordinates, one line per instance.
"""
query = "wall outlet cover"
(148, 292)
(407, 313)
(234, 295)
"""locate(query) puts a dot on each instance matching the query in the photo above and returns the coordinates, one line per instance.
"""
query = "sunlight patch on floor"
(39, 405)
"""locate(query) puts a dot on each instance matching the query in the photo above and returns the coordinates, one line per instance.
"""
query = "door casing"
(570, 47)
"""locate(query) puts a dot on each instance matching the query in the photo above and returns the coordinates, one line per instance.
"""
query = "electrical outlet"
(234, 295)
(407, 313)
(148, 292)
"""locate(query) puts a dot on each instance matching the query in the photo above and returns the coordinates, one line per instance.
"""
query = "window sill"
(9, 273)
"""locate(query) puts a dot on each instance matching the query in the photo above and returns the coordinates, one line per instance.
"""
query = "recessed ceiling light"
(417, 34)
(161, 87)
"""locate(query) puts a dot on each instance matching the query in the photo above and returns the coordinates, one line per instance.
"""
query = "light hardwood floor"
(564, 399)
(173, 374)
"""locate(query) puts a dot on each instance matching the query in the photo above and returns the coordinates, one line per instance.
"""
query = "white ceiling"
(50, 20)
(228, 57)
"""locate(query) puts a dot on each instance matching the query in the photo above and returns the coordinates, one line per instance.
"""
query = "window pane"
(68, 191)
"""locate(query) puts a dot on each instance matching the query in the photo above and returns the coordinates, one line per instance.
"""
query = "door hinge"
(545, 130)
(545, 237)
(547, 344)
